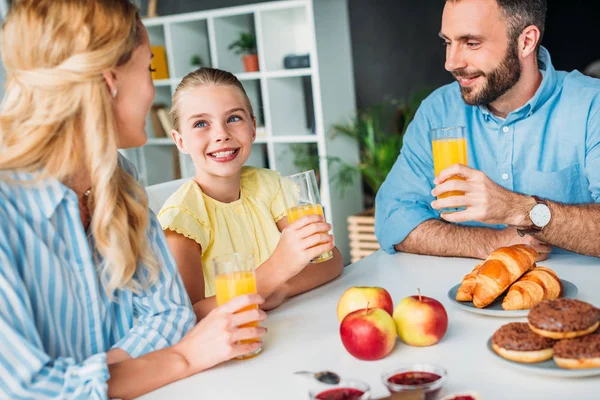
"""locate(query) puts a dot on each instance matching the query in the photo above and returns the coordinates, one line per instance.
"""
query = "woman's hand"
(216, 337)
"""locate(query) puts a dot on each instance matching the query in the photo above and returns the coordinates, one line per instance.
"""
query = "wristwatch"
(540, 217)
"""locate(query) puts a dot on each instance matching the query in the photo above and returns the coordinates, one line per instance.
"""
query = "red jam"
(340, 394)
(413, 378)
(416, 378)
(463, 398)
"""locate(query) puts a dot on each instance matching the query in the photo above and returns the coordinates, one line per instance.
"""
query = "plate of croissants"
(508, 283)
(560, 338)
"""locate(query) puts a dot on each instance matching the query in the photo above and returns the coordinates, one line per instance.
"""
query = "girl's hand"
(215, 338)
(302, 241)
(276, 298)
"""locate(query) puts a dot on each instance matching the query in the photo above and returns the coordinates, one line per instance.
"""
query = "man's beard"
(498, 82)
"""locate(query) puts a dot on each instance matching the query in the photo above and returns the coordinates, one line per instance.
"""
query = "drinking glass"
(449, 147)
(234, 276)
(301, 196)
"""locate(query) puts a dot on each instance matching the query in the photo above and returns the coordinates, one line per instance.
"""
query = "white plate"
(569, 291)
(547, 368)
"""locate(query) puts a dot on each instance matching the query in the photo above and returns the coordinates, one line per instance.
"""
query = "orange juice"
(295, 213)
(234, 284)
(447, 152)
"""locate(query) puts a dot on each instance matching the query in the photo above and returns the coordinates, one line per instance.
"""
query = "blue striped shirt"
(56, 322)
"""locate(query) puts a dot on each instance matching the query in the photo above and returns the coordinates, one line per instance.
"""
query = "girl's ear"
(178, 139)
(253, 129)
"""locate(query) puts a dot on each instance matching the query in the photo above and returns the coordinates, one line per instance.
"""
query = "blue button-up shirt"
(549, 147)
(56, 322)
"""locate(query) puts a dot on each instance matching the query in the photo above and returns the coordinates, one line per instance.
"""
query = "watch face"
(540, 215)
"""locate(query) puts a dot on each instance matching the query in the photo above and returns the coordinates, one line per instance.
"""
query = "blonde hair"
(57, 117)
(205, 77)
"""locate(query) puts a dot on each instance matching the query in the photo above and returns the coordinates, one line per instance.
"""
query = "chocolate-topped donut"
(563, 315)
(577, 348)
(518, 337)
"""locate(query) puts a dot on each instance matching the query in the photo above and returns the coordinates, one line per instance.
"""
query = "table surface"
(304, 335)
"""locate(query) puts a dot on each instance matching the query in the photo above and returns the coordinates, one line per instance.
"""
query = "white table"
(304, 335)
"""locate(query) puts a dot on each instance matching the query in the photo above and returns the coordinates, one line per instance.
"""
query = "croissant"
(539, 284)
(502, 267)
(465, 291)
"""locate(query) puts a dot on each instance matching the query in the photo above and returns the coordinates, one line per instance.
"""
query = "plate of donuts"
(560, 338)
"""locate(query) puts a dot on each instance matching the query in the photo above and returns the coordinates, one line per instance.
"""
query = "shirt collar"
(543, 93)
(53, 191)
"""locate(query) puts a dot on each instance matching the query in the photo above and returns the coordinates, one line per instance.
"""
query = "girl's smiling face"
(216, 129)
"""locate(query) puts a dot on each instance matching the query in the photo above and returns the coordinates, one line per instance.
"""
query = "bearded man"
(533, 145)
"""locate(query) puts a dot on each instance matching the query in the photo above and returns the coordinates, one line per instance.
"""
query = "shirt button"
(505, 129)
(505, 176)
(239, 210)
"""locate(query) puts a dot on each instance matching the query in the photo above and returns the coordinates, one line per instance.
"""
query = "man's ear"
(529, 40)
(178, 139)
(110, 77)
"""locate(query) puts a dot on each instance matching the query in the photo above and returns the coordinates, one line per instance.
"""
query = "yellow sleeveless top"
(248, 224)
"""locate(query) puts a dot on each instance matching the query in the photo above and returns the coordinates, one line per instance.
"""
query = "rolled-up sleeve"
(164, 312)
(26, 370)
(403, 201)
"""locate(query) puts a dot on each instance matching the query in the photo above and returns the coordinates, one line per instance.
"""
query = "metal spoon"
(328, 377)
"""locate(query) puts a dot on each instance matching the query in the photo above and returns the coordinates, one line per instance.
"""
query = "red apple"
(368, 334)
(357, 298)
(420, 320)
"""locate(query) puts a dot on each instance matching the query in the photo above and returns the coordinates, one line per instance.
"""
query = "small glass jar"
(349, 389)
(427, 378)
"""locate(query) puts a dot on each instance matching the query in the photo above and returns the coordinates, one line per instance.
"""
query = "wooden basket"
(361, 231)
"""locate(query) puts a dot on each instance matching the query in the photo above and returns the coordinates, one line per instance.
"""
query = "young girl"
(230, 208)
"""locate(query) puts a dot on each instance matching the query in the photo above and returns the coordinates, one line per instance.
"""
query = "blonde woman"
(91, 305)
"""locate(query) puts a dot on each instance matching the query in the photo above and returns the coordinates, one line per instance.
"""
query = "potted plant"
(195, 62)
(379, 131)
(246, 45)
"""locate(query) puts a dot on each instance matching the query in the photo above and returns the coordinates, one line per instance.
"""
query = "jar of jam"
(349, 389)
(426, 378)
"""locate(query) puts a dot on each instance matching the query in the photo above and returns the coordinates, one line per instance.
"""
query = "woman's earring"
(114, 92)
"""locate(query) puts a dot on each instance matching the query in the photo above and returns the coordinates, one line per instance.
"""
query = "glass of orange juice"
(449, 147)
(301, 195)
(234, 276)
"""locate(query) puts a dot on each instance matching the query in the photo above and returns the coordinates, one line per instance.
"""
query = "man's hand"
(509, 236)
(484, 199)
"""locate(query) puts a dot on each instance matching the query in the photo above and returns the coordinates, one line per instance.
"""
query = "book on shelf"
(157, 126)
(165, 120)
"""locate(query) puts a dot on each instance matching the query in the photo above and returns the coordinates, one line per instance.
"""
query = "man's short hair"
(522, 13)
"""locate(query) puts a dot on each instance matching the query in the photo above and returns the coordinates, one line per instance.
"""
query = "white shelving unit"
(294, 107)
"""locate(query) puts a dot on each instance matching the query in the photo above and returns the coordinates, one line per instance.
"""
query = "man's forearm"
(438, 238)
(574, 227)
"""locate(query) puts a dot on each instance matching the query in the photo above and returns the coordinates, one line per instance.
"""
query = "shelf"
(254, 92)
(227, 30)
(292, 158)
(190, 38)
(289, 73)
(292, 106)
(284, 32)
(162, 82)
(152, 141)
(248, 76)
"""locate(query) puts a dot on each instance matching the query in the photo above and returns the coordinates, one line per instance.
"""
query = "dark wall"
(396, 49)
